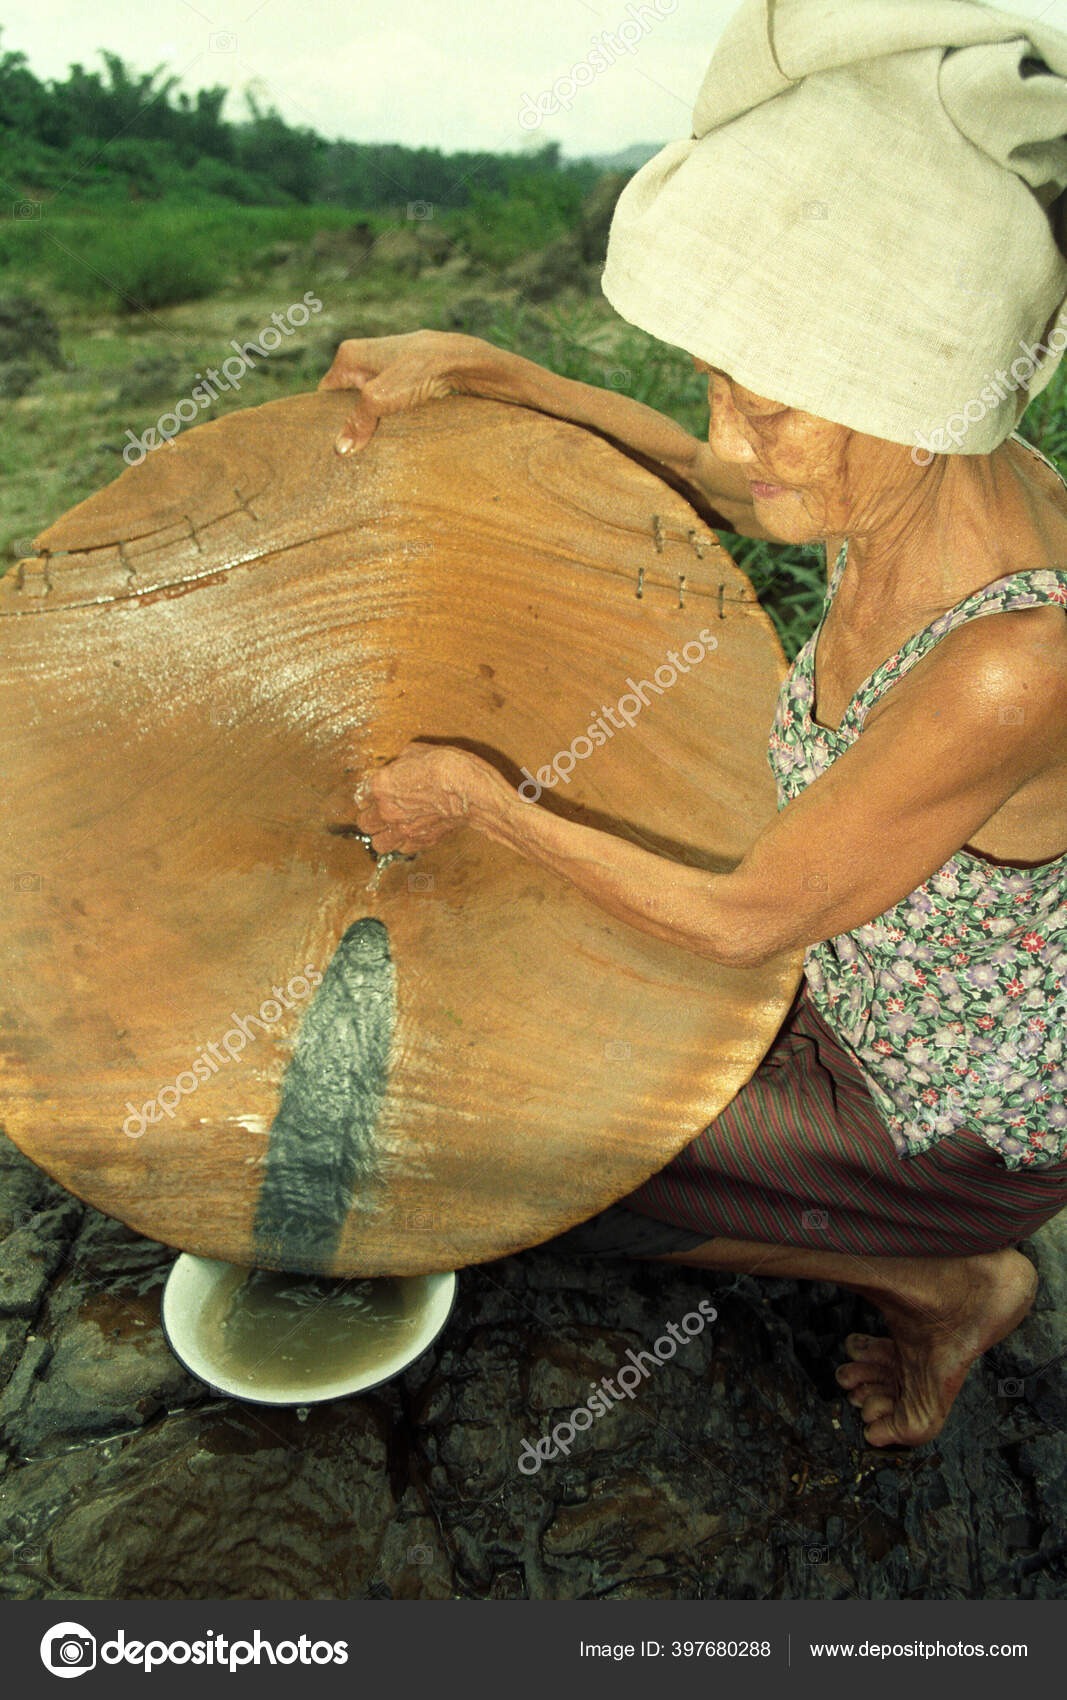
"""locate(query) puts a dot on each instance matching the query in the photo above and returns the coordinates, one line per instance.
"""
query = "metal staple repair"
(658, 533)
(683, 584)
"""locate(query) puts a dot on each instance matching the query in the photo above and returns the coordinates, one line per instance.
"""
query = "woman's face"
(810, 479)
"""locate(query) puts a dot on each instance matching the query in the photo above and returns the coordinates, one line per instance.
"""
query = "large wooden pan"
(222, 1023)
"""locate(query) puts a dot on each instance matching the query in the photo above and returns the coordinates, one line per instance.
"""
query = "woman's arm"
(921, 780)
(393, 374)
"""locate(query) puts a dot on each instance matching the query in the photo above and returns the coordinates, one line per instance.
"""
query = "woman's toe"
(878, 1403)
(866, 1348)
(859, 1395)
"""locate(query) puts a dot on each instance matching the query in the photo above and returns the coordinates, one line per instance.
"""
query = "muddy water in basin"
(284, 1334)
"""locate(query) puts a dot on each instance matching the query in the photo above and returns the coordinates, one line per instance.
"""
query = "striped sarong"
(801, 1157)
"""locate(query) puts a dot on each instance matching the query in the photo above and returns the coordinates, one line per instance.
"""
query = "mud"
(322, 1147)
(735, 1471)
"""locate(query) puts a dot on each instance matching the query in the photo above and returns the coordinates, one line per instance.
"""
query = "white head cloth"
(869, 221)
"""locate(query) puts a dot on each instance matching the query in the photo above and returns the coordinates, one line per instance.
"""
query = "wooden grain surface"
(446, 1059)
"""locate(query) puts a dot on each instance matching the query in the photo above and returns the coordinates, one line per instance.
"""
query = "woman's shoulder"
(1015, 638)
(999, 656)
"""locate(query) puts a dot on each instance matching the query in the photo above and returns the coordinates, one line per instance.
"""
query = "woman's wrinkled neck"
(936, 536)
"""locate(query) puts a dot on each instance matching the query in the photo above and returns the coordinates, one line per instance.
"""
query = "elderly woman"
(861, 246)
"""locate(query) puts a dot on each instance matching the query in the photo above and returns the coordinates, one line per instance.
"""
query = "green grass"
(148, 255)
(142, 255)
(1045, 421)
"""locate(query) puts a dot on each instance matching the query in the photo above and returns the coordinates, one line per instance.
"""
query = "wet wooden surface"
(445, 1059)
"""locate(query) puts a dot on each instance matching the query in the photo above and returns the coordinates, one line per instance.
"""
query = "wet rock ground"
(735, 1471)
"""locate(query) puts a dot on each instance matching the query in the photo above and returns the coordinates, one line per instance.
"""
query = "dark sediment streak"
(322, 1140)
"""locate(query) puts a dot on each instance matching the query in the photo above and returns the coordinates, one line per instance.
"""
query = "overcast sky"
(439, 73)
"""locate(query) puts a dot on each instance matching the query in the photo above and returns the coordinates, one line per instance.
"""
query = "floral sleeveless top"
(953, 1002)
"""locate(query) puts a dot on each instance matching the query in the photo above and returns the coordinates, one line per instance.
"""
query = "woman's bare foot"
(943, 1313)
(904, 1386)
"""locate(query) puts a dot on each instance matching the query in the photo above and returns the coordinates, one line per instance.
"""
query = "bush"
(137, 264)
(28, 332)
(215, 177)
(536, 209)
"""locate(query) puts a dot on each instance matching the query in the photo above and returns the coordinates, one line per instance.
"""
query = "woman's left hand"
(418, 799)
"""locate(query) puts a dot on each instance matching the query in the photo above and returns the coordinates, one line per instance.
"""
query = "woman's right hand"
(394, 373)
